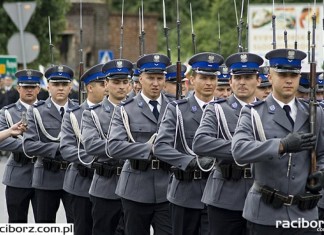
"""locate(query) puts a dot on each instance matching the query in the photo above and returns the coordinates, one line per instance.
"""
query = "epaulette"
(94, 106)
(9, 106)
(218, 101)
(178, 102)
(256, 103)
(72, 109)
(39, 103)
(129, 100)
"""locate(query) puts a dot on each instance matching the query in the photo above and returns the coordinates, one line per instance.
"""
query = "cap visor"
(287, 70)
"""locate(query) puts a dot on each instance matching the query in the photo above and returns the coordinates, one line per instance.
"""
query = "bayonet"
(51, 46)
(121, 33)
(193, 35)
(166, 32)
(143, 32)
(274, 44)
(219, 38)
(240, 47)
(82, 93)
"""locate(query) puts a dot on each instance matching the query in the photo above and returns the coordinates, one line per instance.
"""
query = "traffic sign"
(8, 64)
(105, 56)
(31, 46)
(20, 13)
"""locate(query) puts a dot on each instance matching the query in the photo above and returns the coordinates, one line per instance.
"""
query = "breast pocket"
(52, 127)
(141, 132)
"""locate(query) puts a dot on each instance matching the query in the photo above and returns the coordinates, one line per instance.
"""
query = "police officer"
(303, 88)
(19, 168)
(42, 139)
(223, 89)
(188, 213)
(78, 177)
(136, 85)
(143, 181)
(228, 183)
(107, 208)
(278, 146)
(170, 86)
(265, 87)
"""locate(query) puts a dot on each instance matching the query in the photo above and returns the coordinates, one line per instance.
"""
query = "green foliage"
(38, 25)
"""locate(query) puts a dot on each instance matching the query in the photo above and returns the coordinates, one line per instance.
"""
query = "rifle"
(121, 33)
(51, 46)
(166, 32)
(274, 44)
(312, 96)
(82, 93)
(179, 85)
(193, 35)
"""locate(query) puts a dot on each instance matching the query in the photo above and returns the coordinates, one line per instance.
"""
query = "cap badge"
(211, 59)
(244, 58)
(119, 64)
(60, 69)
(291, 55)
(29, 74)
(156, 58)
(225, 70)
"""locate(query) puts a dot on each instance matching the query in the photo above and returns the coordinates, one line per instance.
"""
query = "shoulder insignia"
(179, 102)
(127, 101)
(39, 103)
(9, 106)
(73, 108)
(94, 106)
(256, 103)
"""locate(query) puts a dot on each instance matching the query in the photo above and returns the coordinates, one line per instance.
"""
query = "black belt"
(106, 170)
(189, 175)
(235, 172)
(54, 165)
(277, 199)
(23, 159)
(85, 171)
(154, 164)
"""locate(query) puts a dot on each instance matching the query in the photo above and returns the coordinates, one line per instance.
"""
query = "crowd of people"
(230, 156)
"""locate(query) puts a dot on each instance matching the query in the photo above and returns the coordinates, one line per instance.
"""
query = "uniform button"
(293, 177)
(142, 155)
(294, 165)
(179, 165)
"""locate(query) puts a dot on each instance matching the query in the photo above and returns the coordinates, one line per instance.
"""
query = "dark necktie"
(62, 111)
(156, 113)
(287, 110)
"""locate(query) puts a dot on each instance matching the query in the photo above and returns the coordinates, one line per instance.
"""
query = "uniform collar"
(147, 100)
(202, 103)
(58, 107)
